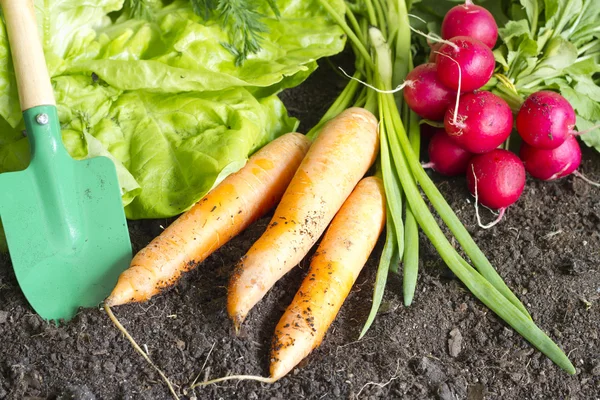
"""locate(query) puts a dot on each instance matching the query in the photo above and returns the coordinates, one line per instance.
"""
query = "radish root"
(431, 36)
(586, 179)
(501, 210)
(397, 89)
(137, 348)
(588, 130)
(455, 115)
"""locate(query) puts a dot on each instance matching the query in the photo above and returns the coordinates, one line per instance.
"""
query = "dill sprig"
(241, 19)
(138, 9)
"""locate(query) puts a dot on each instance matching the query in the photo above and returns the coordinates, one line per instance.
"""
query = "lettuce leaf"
(162, 97)
(174, 167)
(189, 56)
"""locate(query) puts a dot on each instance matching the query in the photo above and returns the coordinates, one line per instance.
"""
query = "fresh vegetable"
(470, 20)
(551, 45)
(381, 39)
(447, 157)
(551, 164)
(433, 51)
(545, 120)
(482, 121)
(224, 212)
(496, 178)
(341, 255)
(161, 96)
(241, 19)
(338, 158)
(465, 64)
(425, 94)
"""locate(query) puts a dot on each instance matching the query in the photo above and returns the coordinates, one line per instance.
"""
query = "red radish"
(552, 164)
(434, 48)
(482, 123)
(427, 131)
(425, 94)
(446, 157)
(500, 178)
(545, 120)
(470, 20)
(467, 61)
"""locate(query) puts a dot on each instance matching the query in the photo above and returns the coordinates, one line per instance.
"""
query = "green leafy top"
(159, 95)
(544, 44)
(554, 44)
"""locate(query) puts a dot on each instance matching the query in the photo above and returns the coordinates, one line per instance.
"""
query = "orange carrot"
(337, 160)
(340, 257)
(224, 212)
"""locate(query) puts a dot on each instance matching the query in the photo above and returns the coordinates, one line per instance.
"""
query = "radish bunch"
(476, 122)
(546, 123)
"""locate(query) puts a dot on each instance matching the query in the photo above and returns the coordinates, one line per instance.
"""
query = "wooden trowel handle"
(33, 80)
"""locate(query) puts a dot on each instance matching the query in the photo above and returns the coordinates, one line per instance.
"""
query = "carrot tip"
(121, 294)
(237, 324)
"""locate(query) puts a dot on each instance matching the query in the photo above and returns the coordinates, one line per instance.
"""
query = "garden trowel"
(63, 219)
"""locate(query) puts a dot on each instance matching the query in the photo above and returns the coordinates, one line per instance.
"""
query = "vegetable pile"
(154, 86)
(179, 102)
(326, 190)
(461, 64)
(313, 195)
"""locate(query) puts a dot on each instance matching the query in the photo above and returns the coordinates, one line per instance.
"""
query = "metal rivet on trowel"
(42, 119)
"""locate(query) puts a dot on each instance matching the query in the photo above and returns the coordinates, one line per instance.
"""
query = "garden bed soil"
(447, 345)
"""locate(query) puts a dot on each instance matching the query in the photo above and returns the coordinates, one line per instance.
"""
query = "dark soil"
(447, 345)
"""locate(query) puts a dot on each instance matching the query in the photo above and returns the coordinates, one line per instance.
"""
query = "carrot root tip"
(238, 320)
(235, 377)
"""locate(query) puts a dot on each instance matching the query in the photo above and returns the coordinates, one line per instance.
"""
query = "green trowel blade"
(64, 222)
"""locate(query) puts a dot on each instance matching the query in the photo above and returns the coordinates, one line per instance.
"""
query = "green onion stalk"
(379, 34)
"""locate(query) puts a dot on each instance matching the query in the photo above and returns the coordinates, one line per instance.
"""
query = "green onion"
(403, 174)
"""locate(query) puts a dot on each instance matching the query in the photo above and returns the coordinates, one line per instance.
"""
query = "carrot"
(224, 212)
(340, 257)
(337, 160)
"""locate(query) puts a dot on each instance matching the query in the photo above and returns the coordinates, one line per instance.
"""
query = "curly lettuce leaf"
(161, 96)
(61, 25)
(179, 51)
(179, 146)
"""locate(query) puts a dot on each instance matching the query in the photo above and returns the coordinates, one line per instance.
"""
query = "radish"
(425, 94)
(427, 131)
(481, 123)
(445, 156)
(470, 20)
(545, 120)
(496, 179)
(465, 64)
(551, 164)
(434, 48)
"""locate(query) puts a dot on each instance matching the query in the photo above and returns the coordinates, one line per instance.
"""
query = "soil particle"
(455, 343)
(431, 370)
(77, 393)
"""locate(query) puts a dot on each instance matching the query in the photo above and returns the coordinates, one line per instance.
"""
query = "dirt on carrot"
(340, 257)
(339, 157)
(224, 212)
